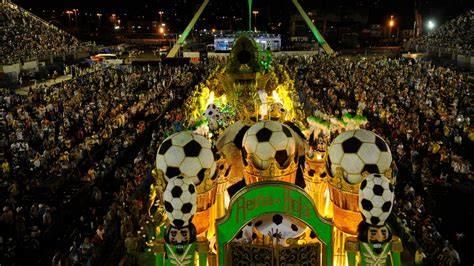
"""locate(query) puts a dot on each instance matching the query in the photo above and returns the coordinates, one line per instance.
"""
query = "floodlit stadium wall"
(10, 73)
(266, 41)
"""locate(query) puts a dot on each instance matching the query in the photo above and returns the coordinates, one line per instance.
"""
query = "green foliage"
(266, 59)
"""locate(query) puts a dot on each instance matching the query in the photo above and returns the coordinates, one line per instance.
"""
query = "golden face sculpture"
(179, 237)
(377, 236)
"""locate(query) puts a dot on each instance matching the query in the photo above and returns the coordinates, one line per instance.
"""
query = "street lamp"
(391, 22)
(161, 16)
(99, 15)
(255, 13)
(431, 25)
(162, 29)
(69, 12)
(75, 14)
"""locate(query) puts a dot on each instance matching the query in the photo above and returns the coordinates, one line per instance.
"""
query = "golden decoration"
(158, 248)
(346, 220)
(352, 244)
(252, 174)
(339, 182)
(397, 245)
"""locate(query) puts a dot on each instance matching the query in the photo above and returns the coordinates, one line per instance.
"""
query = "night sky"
(271, 10)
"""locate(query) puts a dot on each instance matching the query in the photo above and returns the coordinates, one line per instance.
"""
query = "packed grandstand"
(455, 36)
(26, 37)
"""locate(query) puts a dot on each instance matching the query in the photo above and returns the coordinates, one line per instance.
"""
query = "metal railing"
(86, 48)
(436, 49)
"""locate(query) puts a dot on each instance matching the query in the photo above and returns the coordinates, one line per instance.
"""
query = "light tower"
(314, 30)
(255, 13)
(161, 16)
(391, 22)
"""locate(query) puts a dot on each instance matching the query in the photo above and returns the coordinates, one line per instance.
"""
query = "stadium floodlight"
(255, 13)
(161, 15)
(431, 24)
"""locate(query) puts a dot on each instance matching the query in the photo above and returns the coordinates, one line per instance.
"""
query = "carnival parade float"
(257, 181)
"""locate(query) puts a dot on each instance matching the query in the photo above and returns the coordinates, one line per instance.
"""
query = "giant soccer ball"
(231, 139)
(266, 141)
(300, 139)
(277, 110)
(211, 112)
(357, 151)
(186, 154)
(278, 225)
(246, 235)
(180, 201)
(376, 199)
(229, 145)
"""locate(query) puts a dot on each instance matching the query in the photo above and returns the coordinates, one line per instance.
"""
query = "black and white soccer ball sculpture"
(229, 145)
(180, 201)
(211, 111)
(357, 151)
(376, 199)
(266, 141)
(278, 225)
(187, 154)
(230, 141)
(277, 110)
(246, 235)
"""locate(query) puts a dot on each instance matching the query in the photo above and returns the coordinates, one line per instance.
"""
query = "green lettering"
(268, 200)
(240, 207)
(296, 206)
(307, 211)
(259, 202)
(249, 205)
(287, 200)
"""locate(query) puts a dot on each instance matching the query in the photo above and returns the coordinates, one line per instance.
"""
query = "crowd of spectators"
(457, 35)
(24, 36)
(87, 129)
(92, 130)
(421, 109)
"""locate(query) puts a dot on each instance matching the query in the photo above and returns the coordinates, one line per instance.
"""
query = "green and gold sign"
(286, 201)
(271, 197)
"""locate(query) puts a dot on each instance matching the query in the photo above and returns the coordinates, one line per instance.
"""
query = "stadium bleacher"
(26, 37)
